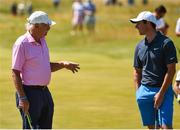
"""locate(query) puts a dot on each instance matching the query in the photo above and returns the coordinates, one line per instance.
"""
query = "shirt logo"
(172, 58)
(156, 49)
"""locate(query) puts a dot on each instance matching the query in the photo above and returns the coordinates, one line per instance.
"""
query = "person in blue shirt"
(154, 68)
(89, 20)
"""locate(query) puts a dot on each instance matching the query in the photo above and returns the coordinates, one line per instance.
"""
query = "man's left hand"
(74, 67)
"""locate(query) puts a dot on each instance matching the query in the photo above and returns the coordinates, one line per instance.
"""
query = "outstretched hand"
(74, 67)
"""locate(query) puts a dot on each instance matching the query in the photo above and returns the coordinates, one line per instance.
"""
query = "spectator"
(178, 28)
(78, 16)
(130, 2)
(14, 9)
(159, 13)
(89, 20)
(145, 2)
(29, 8)
(107, 2)
(56, 3)
(165, 29)
(176, 87)
(114, 2)
(21, 8)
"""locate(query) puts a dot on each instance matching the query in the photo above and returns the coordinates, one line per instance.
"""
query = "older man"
(31, 72)
(154, 67)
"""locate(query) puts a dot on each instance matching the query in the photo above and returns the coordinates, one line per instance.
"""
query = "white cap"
(145, 15)
(40, 17)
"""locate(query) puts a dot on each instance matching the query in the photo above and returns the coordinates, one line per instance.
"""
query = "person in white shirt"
(178, 28)
(21, 8)
(78, 16)
(159, 13)
(176, 86)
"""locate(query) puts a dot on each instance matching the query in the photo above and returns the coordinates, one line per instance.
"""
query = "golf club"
(29, 120)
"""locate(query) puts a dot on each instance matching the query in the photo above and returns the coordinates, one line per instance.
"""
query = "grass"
(101, 95)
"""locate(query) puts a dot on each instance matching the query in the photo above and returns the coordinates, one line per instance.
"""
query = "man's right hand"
(24, 105)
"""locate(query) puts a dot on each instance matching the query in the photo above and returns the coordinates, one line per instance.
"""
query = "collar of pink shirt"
(31, 39)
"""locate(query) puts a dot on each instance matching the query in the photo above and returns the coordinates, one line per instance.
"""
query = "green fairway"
(101, 94)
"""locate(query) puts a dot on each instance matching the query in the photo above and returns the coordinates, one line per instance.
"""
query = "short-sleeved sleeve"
(169, 52)
(178, 76)
(137, 62)
(178, 26)
(18, 57)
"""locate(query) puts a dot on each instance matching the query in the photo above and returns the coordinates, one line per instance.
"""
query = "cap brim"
(52, 23)
(135, 20)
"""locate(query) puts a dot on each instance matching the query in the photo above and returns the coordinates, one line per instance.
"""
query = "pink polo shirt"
(32, 59)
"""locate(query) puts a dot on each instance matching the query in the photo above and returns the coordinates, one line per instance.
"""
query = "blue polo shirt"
(89, 6)
(153, 59)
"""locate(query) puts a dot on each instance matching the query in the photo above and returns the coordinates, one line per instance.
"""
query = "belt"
(151, 86)
(35, 87)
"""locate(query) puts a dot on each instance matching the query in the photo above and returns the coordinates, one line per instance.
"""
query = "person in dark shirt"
(154, 68)
(145, 2)
(56, 3)
(14, 9)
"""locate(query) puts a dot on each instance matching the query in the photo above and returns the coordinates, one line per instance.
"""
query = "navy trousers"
(41, 107)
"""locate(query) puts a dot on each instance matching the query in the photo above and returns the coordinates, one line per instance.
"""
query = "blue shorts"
(145, 99)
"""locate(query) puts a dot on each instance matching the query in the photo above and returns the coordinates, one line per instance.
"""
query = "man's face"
(42, 29)
(141, 26)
